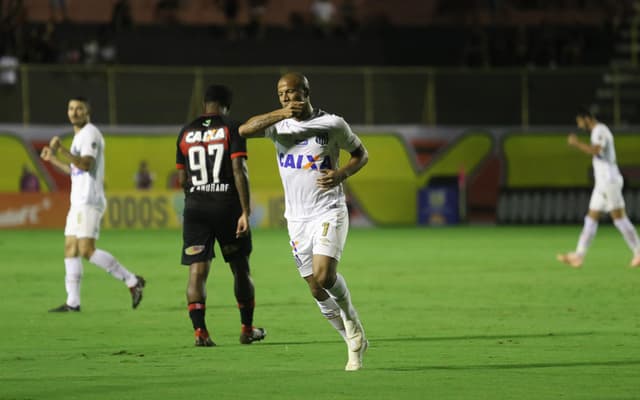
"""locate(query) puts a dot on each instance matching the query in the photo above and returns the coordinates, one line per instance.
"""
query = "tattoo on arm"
(257, 124)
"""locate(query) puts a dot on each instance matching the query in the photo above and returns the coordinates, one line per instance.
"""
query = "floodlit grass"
(451, 313)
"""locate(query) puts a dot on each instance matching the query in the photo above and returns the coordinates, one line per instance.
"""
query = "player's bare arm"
(182, 177)
(48, 155)
(84, 163)
(256, 125)
(586, 148)
(241, 177)
(331, 178)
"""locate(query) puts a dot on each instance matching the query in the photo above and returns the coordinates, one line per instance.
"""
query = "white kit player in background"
(607, 191)
(308, 143)
(84, 162)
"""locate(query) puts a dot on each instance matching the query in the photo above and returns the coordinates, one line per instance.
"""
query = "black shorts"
(203, 226)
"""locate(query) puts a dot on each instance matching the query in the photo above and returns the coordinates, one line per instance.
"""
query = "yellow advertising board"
(143, 210)
(163, 209)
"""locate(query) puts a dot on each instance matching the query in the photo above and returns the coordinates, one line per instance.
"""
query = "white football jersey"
(605, 168)
(87, 187)
(304, 148)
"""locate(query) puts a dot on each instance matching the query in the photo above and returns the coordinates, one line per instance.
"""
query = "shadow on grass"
(513, 366)
(374, 340)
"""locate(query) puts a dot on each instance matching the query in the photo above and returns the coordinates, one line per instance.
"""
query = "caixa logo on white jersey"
(205, 136)
(304, 161)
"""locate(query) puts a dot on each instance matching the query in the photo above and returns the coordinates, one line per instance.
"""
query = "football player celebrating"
(308, 143)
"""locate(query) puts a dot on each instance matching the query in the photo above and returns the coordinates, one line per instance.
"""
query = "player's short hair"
(585, 112)
(218, 94)
(82, 99)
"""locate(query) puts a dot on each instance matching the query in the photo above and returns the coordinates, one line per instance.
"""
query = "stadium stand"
(437, 33)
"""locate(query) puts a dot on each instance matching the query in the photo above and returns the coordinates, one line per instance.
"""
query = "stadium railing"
(145, 95)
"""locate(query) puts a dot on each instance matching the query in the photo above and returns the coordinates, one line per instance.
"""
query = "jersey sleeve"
(346, 139)
(180, 160)
(238, 144)
(90, 143)
(270, 132)
(599, 136)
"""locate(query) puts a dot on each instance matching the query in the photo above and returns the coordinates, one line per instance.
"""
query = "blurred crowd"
(492, 32)
(540, 32)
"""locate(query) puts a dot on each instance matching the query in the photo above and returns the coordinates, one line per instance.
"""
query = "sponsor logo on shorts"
(193, 250)
(294, 247)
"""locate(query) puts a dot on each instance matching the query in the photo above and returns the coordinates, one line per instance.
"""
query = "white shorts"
(607, 197)
(83, 222)
(324, 235)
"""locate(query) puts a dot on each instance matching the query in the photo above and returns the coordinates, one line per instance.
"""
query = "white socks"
(104, 260)
(107, 262)
(587, 235)
(340, 293)
(72, 279)
(629, 233)
(331, 311)
(624, 226)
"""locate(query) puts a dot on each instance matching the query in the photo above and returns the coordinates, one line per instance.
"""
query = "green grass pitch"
(451, 313)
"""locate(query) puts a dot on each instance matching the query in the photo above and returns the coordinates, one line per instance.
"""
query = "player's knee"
(594, 215)
(86, 254)
(325, 279)
(198, 272)
(322, 278)
(318, 293)
(197, 277)
(617, 213)
(85, 250)
(239, 265)
(70, 250)
(316, 290)
(324, 271)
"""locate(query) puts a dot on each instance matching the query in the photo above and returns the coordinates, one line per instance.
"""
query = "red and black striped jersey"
(205, 148)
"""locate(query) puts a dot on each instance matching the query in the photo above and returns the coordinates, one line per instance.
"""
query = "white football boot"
(354, 362)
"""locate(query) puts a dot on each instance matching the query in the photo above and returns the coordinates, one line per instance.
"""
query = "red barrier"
(33, 210)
